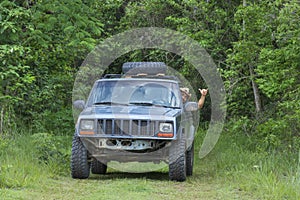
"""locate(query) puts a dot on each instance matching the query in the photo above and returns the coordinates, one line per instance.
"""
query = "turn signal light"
(86, 132)
(166, 135)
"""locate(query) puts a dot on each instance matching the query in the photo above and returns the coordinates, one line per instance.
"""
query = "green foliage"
(43, 43)
(13, 21)
(3, 144)
(30, 159)
(18, 168)
(268, 132)
(53, 150)
(42, 46)
(15, 75)
(208, 23)
(60, 123)
(260, 174)
(15, 81)
(230, 170)
(149, 13)
(279, 67)
(254, 27)
(269, 43)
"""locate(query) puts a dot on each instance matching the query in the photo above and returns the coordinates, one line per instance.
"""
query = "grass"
(18, 167)
(230, 171)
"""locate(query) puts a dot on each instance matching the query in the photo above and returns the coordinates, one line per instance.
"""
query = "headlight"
(166, 127)
(86, 124)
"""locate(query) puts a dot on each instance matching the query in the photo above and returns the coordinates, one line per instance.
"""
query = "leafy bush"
(276, 128)
(59, 123)
(3, 144)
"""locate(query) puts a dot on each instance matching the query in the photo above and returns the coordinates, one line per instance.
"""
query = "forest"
(255, 45)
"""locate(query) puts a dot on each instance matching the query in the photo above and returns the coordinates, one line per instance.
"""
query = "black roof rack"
(156, 77)
(110, 76)
(107, 76)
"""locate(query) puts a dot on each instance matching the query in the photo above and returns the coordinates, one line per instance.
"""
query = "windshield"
(135, 92)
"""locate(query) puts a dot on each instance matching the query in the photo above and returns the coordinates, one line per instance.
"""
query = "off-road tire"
(177, 160)
(150, 68)
(190, 161)
(80, 167)
(98, 167)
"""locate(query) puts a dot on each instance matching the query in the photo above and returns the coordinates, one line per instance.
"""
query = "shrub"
(3, 144)
(58, 123)
(268, 133)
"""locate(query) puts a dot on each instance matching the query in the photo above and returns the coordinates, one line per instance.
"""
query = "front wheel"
(80, 167)
(177, 160)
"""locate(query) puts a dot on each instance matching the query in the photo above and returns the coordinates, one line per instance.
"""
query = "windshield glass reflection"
(128, 92)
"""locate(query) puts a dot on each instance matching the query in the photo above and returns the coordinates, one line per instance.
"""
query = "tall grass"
(262, 175)
(233, 168)
(23, 161)
(18, 167)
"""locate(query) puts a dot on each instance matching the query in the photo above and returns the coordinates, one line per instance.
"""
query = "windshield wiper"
(152, 104)
(142, 103)
(110, 103)
(175, 107)
(134, 103)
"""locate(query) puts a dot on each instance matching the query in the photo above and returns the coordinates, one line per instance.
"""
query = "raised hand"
(203, 92)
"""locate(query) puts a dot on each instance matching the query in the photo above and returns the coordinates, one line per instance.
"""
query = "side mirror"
(191, 106)
(79, 104)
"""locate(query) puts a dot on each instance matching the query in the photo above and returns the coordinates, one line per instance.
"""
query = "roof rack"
(159, 76)
(156, 77)
(107, 76)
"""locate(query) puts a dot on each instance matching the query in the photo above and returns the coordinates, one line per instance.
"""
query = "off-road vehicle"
(136, 116)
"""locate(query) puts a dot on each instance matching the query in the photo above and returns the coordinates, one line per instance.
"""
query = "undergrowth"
(260, 174)
(29, 160)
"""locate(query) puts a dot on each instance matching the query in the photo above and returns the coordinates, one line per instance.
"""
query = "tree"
(15, 74)
(43, 44)
(255, 25)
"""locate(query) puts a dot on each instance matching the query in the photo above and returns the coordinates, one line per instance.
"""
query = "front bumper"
(140, 151)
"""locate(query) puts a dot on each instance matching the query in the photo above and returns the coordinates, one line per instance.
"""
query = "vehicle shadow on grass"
(162, 176)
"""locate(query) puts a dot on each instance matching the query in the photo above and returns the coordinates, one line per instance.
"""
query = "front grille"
(125, 127)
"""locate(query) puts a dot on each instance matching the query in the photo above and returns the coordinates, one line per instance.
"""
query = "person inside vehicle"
(185, 92)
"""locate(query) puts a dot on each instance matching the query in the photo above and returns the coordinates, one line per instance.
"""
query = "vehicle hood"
(141, 112)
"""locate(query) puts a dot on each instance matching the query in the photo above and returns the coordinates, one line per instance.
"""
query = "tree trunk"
(1, 120)
(257, 99)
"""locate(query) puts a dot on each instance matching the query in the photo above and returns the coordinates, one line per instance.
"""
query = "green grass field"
(230, 171)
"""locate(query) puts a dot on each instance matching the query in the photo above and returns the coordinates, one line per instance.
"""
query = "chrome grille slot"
(129, 127)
